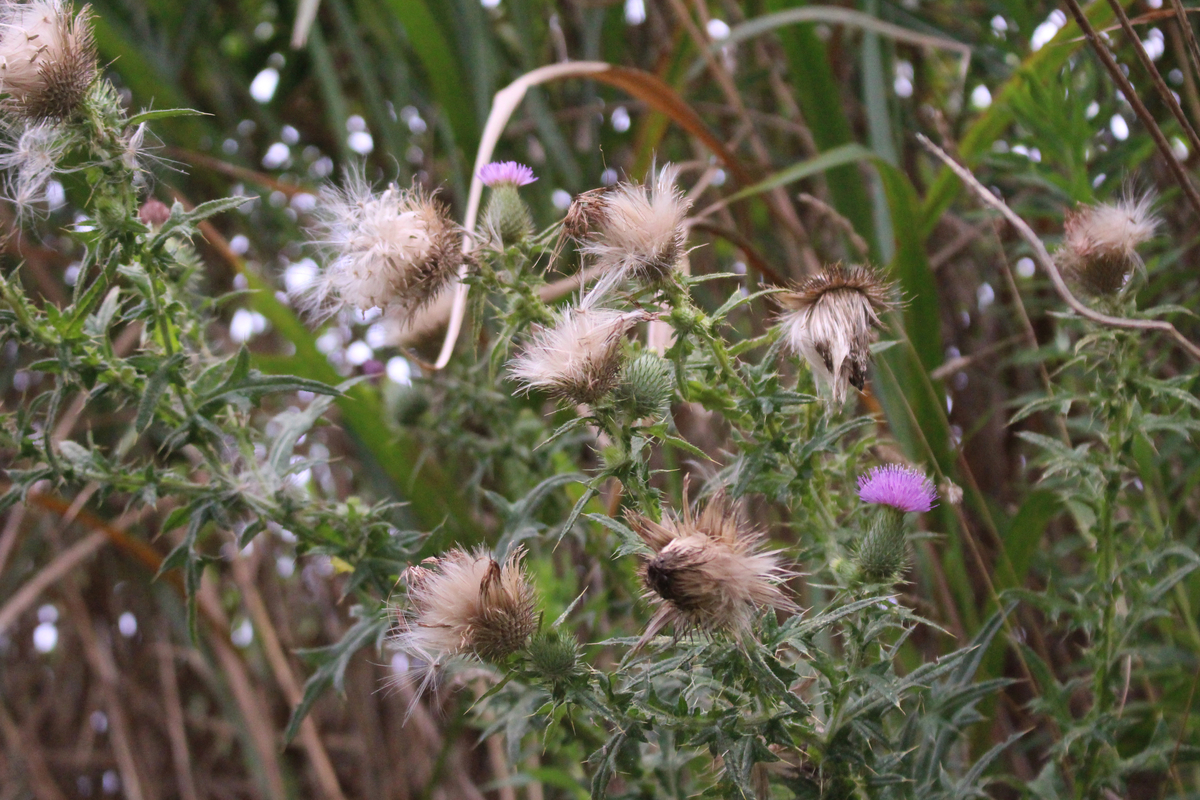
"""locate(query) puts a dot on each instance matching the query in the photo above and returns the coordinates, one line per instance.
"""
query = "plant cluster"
(731, 618)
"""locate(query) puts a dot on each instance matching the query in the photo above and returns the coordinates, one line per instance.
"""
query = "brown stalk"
(278, 661)
(255, 714)
(49, 575)
(98, 652)
(1179, 49)
(1139, 108)
(41, 780)
(1160, 85)
(1189, 35)
(1046, 262)
(238, 173)
(10, 534)
(176, 732)
(840, 222)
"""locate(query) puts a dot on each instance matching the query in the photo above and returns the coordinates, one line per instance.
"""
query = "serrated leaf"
(155, 387)
(332, 662)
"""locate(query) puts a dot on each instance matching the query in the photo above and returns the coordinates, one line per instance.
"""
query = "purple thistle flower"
(899, 487)
(499, 172)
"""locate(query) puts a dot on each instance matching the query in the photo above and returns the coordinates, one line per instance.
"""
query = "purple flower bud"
(899, 487)
(510, 172)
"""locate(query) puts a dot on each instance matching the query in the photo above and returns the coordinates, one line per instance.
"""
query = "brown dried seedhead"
(709, 573)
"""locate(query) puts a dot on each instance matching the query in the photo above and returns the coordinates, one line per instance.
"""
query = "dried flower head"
(898, 486)
(467, 604)
(506, 172)
(585, 213)
(579, 358)
(1100, 242)
(31, 161)
(829, 320)
(395, 249)
(709, 572)
(47, 58)
(638, 230)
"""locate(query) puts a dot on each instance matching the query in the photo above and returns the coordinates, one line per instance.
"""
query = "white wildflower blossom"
(47, 58)
(579, 357)
(829, 320)
(395, 249)
(1099, 249)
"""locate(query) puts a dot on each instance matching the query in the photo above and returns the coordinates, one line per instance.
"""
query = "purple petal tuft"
(506, 172)
(899, 487)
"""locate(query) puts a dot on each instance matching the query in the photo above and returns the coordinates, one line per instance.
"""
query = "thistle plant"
(671, 554)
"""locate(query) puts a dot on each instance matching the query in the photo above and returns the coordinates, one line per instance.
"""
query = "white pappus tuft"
(47, 58)
(1099, 249)
(396, 249)
(31, 161)
(579, 357)
(633, 230)
(829, 320)
(466, 604)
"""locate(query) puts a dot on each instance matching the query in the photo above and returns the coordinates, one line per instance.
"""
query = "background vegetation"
(103, 688)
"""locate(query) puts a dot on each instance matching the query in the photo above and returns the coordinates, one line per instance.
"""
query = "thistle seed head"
(829, 320)
(396, 249)
(709, 573)
(585, 213)
(467, 603)
(636, 231)
(579, 358)
(47, 58)
(1099, 249)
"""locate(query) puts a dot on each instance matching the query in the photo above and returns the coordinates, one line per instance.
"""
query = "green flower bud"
(645, 386)
(553, 655)
(882, 555)
(507, 214)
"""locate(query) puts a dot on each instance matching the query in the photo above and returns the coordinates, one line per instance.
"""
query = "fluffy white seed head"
(30, 162)
(395, 249)
(633, 230)
(829, 319)
(467, 604)
(579, 357)
(709, 573)
(47, 58)
(1100, 242)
